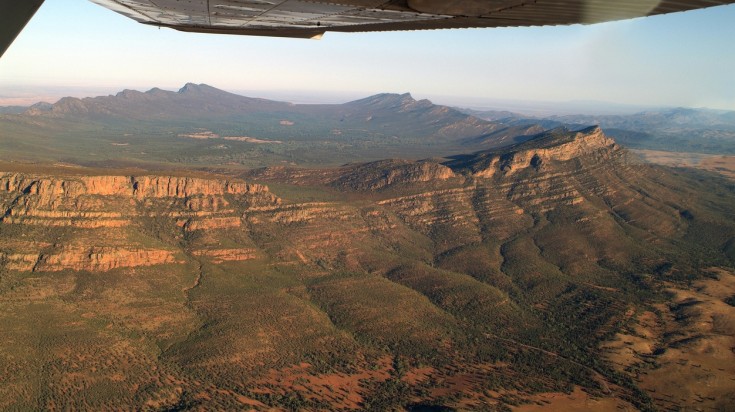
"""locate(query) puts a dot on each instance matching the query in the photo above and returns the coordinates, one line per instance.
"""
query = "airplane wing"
(312, 18)
(13, 17)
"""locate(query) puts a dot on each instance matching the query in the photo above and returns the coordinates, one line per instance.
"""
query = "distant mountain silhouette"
(157, 104)
(200, 124)
(676, 129)
(391, 115)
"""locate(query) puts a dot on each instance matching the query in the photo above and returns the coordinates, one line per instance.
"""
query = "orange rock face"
(226, 255)
(167, 186)
(50, 188)
(116, 201)
(113, 220)
(100, 259)
(93, 259)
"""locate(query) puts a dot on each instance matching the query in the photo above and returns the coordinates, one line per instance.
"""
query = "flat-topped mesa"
(559, 145)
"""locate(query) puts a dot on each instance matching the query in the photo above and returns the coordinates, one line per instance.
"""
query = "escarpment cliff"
(115, 221)
(50, 189)
(114, 201)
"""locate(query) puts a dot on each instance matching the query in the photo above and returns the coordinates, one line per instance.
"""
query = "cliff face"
(86, 258)
(154, 186)
(112, 201)
(110, 218)
(50, 189)
(101, 259)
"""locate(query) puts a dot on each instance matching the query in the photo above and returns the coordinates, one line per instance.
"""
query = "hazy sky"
(684, 59)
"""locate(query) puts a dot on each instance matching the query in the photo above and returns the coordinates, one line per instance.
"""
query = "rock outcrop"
(101, 259)
(92, 259)
(115, 201)
(226, 255)
(117, 221)
(48, 189)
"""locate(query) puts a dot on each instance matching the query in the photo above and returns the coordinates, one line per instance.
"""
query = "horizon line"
(29, 95)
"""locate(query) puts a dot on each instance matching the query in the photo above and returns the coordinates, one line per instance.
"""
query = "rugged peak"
(195, 88)
(393, 96)
(591, 137)
(129, 94)
(206, 91)
(39, 108)
(385, 99)
(69, 105)
(42, 106)
(65, 105)
(188, 88)
(156, 92)
(592, 129)
(407, 96)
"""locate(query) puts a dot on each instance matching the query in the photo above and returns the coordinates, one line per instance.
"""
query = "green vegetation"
(471, 293)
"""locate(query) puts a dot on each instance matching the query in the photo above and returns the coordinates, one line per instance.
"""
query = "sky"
(686, 59)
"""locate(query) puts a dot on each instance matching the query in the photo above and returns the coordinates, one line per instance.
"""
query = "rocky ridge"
(558, 145)
(496, 191)
(102, 210)
(466, 199)
(385, 173)
(190, 100)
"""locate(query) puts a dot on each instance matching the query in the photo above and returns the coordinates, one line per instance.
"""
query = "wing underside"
(13, 17)
(312, 18)
(306, 19)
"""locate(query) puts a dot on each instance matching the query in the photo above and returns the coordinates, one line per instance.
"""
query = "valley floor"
(723, 164)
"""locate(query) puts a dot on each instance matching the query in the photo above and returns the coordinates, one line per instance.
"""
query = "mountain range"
(519, 264)
(675, 129)
(559, 269)
(388, 114)
(205, 126)
(202, 125)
